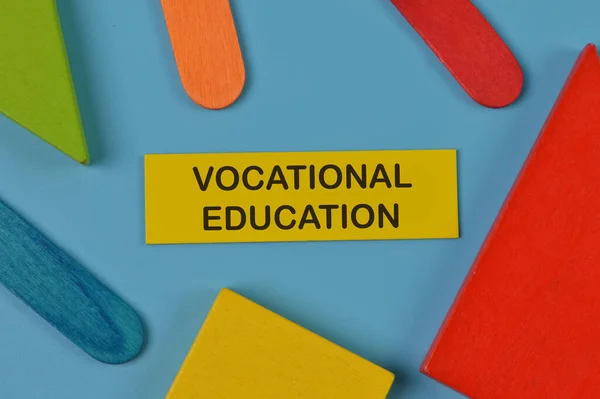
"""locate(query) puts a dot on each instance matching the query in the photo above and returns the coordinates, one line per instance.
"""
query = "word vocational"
(277, 177)
(310, 196)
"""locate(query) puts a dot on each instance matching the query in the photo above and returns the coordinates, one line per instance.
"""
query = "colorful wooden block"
(206, 49)
(36, 88)
(246, 351)
(61, 291)
(525, 323)
(468, 46)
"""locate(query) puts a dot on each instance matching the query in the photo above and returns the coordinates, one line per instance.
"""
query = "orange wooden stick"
(207, 50)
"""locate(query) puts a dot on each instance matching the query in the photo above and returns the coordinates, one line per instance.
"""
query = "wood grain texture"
(206, 49)
(468, 46)
(61, 291)
(525, 323)
(246, 351)
(36, 88)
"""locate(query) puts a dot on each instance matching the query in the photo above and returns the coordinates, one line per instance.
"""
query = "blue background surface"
(322, 75)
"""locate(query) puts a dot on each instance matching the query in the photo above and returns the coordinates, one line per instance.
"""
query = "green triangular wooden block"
(36, 87)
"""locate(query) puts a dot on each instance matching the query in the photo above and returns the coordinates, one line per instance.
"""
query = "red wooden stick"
(526, 323)
(469, 47)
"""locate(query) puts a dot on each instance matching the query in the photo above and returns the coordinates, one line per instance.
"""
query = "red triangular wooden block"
(526, 321)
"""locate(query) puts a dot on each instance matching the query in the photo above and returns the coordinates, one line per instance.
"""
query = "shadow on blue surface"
(79, 60)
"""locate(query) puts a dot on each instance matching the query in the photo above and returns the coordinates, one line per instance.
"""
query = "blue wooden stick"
(61, 291)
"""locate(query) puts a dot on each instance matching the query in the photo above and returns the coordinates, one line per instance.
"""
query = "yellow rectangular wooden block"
(301, 196)
(246, 351)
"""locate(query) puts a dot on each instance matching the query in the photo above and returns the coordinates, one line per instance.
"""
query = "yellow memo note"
(246, 351)
(301, 196)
